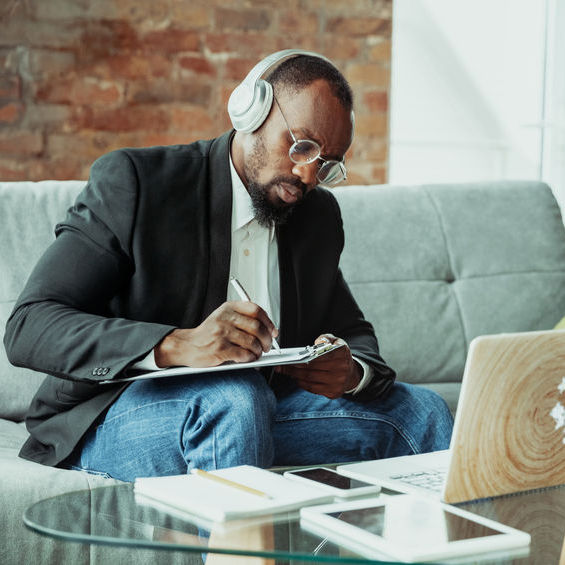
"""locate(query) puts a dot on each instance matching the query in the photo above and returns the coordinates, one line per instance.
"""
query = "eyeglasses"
(305, 151)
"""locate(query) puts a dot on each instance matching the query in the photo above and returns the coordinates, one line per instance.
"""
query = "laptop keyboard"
(430, 480)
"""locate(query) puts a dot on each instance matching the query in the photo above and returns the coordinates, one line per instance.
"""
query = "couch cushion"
(434, 266)
(28, 214)
(24, 483)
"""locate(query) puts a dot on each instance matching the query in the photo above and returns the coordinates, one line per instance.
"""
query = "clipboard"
(287, 356)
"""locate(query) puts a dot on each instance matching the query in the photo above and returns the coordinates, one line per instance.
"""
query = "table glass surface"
(112, 516)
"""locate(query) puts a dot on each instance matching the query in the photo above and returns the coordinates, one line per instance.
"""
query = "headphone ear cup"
(249, 109)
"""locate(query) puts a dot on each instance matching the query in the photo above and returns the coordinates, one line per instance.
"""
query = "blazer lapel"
(220, 203)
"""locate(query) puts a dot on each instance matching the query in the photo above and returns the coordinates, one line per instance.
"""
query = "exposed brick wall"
(79, 78)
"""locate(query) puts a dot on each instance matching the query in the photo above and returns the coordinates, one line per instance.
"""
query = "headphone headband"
(250, 102)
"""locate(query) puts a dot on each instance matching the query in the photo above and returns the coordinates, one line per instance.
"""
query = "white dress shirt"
(253, 248)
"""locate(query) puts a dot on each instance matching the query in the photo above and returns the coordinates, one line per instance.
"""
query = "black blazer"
(145, 249)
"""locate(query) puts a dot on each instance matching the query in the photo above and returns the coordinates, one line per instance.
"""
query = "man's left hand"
(331, 375)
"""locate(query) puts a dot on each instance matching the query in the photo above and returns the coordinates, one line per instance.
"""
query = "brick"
(299, 22)
(308, 42)
(171, 41)
(20, 143)
(188, 16)
(376, 100)
(48, 116)
(198, 65)
(193, 92)
(54, 91)
(191, 119)
(153, 91)
(101, 39)
(133, 118)
(65, 168)
(21, 168)
(80, 90)
(242, 19)
(168, 90)
(363, 172)
(93, 91)
(371, 74)
(49, 34)
(57, 9)
(13, 170)
(379, 175)
(43, 62)
(223, 122)
(375, 152)
(373, 125)
(225, 93)
(10, 87)
(381, 51)
(153, 139)
(374, 8)
(341, 48)
(354, 176)
(139, 11)
(360, 26)
(88, 145)
(132, 67)
(10, 113)
(237, 68)
(243, 43)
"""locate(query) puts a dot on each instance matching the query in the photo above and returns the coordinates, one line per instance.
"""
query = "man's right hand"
(236, 331)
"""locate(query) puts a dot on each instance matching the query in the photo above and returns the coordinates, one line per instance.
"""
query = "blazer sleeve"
(62, 323)
(348, 322)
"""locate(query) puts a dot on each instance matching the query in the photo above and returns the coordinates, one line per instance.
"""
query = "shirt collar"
(242, 207)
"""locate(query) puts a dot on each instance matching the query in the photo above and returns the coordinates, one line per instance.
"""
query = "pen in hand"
(244, 296)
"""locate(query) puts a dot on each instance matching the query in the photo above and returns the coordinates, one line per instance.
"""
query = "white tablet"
(411, 528)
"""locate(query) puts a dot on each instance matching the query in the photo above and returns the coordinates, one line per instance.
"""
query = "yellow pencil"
(227, 482)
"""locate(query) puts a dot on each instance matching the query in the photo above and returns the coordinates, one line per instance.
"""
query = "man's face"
(276, 184)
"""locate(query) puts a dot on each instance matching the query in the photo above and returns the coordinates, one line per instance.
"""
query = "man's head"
(312, 101)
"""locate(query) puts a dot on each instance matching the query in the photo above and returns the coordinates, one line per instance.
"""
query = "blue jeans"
(169, 426)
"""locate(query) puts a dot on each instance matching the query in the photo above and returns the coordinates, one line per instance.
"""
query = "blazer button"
(105, 370)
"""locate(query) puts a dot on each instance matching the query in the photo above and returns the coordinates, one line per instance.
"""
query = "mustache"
(281, 179)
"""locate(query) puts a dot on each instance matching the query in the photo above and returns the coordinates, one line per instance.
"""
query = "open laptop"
(509, 433)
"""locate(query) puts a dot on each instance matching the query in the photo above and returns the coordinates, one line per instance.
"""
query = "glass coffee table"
(113, 516)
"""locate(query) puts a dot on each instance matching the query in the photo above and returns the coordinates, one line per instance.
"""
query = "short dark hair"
(302, 70)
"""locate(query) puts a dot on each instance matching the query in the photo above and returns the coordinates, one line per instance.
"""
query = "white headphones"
(251, 101)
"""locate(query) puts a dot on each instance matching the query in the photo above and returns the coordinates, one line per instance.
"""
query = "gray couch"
(431, 266)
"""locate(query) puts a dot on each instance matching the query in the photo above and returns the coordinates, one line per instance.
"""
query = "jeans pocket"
(90, 471)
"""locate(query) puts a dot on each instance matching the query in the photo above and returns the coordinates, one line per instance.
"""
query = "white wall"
(471, 84)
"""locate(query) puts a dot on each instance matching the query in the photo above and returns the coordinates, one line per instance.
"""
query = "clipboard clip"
(320, 348)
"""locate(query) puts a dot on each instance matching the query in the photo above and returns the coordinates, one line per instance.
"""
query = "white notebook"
(218, 502)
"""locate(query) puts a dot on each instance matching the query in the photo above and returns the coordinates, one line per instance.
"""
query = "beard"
(269, 209)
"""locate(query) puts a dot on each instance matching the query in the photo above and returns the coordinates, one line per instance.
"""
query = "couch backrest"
(431, 266)
(434, 266)
(28, 214)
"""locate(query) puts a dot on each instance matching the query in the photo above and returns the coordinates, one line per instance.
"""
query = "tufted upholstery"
(434, 266)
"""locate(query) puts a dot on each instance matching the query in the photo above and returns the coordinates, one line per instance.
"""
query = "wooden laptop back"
(509, 433)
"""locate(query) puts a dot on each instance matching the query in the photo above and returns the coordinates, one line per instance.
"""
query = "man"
(138, 277)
